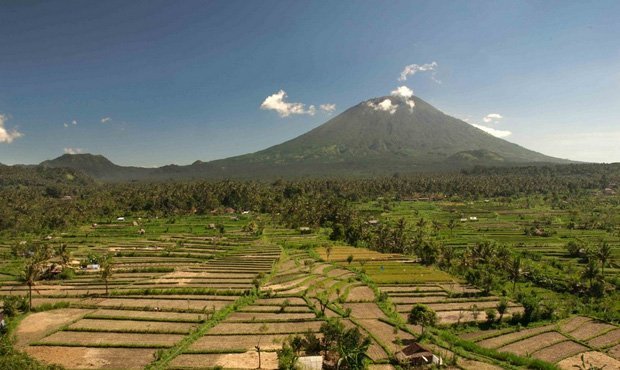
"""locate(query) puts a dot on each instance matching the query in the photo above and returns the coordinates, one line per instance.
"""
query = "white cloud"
(412, 69)
(74, 122)
(74, 150)
(406, 94)
(492, 131)
(492, 117)
(403, 91)
(7, 136)
(328, 108)
(105, 119)
(385, 106)
(65, 124)
(278, 103)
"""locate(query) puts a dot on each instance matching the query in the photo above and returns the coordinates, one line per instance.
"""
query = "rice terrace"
(309, 185)
(218, 287)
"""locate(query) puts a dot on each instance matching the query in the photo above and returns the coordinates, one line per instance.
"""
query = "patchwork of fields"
(183, 295)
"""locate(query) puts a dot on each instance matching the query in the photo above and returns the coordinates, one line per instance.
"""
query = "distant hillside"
(98, 166)
(33, 176)
(362, 141)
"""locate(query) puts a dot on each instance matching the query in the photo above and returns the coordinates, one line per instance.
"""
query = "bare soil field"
(559, 351)
(597, 359)
(128, 325)
(112, 339)
(194, 305)
(385, 333)
(452, 317)
(365, 310)
(234, 342)
(361, 294)
(38, 325)
(272, 328)
(605, 340)
(153, 315)
(93, 358)
(276, 309)
(251, 316)
(573, 323)
(614, 352)
(591, 329)
(278, 301)
(530, 345)
(247, 360)
(505, 339)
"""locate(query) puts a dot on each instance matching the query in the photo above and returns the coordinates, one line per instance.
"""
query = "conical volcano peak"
(398, 127)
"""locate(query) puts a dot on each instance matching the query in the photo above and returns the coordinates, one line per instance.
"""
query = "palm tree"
(31, 273)
(62, 251)
(590, 272)
(514, 271)
(603, 253)
(106, 271)
(451, 225)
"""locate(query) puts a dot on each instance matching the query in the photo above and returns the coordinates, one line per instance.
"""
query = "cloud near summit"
(278, 102)
(7, 136)
(385, 106)
(406, 94)
(490, 130)
(492, 117)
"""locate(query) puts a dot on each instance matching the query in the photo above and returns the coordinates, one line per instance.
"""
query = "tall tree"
(603, 253)
(422, 315)
(514, 271)
(106, 271)
(590, 271)
(32, 272)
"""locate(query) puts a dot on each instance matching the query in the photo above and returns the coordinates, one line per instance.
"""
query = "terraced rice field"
(163, 289)
(453, 302)
(169, 284)
(561, 343)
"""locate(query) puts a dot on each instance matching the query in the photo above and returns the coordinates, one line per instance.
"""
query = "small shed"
(305, 230)
(93, 267)
(417, 355)
(120, 219)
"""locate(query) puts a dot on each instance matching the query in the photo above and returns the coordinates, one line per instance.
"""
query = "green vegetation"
(500, 249)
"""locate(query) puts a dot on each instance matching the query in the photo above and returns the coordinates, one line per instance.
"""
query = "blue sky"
(182, 81)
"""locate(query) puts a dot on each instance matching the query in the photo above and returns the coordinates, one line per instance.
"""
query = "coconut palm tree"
(603, 253)
(31, 273)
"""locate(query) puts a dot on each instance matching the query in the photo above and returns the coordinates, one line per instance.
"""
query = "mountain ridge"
(379, 136)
